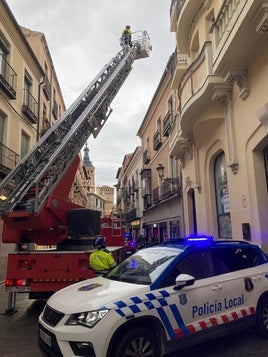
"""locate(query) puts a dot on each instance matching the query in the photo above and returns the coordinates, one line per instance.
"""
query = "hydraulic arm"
(27, 187)
(43, 170)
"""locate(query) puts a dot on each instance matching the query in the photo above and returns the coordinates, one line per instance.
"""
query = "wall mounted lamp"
(160, 170)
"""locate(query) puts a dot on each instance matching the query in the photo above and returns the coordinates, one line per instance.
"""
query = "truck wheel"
(139, 342)
(262, 318)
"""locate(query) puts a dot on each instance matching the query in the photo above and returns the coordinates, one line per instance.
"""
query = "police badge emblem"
(248, 284)
(183, 299)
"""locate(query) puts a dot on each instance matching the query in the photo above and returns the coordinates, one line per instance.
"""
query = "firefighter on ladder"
(126, 37)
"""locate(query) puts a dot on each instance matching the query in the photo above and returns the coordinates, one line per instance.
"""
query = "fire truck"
(34, 202)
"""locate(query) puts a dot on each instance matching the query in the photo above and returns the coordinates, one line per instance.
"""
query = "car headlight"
(88, 318)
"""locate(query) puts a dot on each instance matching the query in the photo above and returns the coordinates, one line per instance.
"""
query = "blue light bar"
(200, 239)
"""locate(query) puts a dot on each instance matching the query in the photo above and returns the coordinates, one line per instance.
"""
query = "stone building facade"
(220, 75)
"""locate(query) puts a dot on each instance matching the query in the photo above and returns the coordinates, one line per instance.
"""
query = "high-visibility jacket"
(126, 32)
(101, 259)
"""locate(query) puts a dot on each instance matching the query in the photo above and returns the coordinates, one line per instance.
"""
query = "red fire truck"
(35, 207)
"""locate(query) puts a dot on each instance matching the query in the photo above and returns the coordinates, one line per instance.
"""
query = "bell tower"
(90, 169)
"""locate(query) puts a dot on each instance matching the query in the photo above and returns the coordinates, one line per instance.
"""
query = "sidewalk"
(19, 331)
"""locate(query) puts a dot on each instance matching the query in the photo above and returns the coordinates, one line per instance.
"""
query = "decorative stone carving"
(240, 76)
(185, 148)
(224, 96)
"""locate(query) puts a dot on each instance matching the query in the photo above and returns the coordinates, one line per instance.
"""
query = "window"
(265, 156)
(170, 104)
(4, 51)
(222, 197)
(2, 126)
(195, 46)
(27, 89)
(24, 146)
(232, 259)
(44, 112)
(196, 264)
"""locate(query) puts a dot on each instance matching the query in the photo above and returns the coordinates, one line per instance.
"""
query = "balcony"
(146, 157)
(8, 160)
(175, 10)
(47, 88)
(178, 69)
(188, 13)
(8, 78)
(167, 123)
(130, 216)
(157, 142)
(168, 189)
(238, 20)
(146, 174)
(196, 89)
(156, 195)
(30, 106)
(147, 201)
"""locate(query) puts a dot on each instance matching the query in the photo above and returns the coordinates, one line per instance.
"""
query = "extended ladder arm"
(28, 186)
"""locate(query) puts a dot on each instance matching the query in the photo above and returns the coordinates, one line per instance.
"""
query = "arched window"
(222, 197)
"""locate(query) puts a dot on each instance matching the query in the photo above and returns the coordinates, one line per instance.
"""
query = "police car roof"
(199, 242)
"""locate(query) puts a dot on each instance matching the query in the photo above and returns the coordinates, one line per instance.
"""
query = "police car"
(160, 299)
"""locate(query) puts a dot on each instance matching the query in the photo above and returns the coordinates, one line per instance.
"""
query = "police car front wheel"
(262, 317)
(139, 342)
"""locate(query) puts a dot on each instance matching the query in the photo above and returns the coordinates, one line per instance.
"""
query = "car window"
(196, 264)
(235, 258)
(143, 267)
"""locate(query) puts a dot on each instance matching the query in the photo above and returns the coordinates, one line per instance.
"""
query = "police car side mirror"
(183, 280)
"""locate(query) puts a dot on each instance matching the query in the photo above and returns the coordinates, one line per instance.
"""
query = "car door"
(239, 280)
(193, 308)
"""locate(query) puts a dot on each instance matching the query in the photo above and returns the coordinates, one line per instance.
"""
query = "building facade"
(51, 102)
(160, 175)
(30, 100)
(106, 194)
(220, 75)
(20, 78)
(129, 193)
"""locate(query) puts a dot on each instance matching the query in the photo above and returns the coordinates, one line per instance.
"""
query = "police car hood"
(92, 294)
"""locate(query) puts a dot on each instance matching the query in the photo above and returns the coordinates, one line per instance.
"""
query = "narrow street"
(19, 335)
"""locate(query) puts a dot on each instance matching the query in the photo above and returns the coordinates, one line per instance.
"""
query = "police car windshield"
(143, 267)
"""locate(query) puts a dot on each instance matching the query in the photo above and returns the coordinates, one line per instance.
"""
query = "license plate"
(45, 337)
(18, 289)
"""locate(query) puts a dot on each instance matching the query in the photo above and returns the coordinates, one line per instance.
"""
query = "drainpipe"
(39, 99)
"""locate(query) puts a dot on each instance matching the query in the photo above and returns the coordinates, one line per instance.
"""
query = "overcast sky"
(82, 36)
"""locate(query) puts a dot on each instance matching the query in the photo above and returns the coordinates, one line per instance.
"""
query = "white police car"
(160, 299)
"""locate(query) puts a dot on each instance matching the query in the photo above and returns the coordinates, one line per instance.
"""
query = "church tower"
(90, 169)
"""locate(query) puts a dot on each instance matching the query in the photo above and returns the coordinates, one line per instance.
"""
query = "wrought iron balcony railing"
(8, 78)
(157, 142)
(8, 160)
(30, 106)
(167, 123)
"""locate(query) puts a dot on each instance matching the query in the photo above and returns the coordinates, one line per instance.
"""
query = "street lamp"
(160, 170)
(174, 181)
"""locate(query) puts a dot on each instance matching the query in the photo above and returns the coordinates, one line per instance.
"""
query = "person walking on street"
(101, 260)
(126, 36)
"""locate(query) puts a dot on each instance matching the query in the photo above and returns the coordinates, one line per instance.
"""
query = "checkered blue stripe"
(137, 304)
(145, 302)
